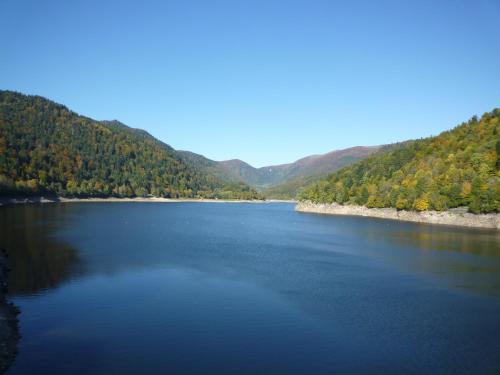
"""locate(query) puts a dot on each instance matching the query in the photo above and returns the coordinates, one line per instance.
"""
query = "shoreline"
(7, 201)
(455, 217)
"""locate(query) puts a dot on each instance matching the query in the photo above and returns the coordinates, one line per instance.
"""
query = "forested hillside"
(205, 165)
(46, 148)
(459, 167)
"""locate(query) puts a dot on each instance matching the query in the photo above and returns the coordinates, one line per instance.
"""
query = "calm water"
(198, 288)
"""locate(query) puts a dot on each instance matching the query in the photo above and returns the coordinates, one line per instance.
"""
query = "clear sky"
(263, 81)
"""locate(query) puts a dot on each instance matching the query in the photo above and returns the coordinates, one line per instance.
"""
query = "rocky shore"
(9, 324)
(458, 216)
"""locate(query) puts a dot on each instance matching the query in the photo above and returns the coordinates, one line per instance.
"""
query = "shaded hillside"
(289, 189)
(203, 165)
(211, 167)
(259, 177)
(283, 181)
(46, 148)
(459, 167)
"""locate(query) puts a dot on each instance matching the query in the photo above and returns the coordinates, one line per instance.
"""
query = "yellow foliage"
(422, 204)
(466, 189)
(401, 203)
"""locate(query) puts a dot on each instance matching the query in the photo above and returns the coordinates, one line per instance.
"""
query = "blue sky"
(264, 81)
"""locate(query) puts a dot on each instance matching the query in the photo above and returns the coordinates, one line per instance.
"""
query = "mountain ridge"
(284, 180)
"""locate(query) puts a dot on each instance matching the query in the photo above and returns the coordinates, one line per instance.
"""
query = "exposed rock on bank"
(458, 216)
(9, 324)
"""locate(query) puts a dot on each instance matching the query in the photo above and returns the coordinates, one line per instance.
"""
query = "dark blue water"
(199, 288)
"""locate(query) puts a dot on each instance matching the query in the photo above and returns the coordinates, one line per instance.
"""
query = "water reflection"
(461, 257)
(37, 258)
(170, 284)
(478, 242)
(49, 244)
(9, 327)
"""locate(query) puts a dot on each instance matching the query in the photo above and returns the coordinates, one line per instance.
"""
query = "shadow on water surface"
(37, 258)
(9, 323)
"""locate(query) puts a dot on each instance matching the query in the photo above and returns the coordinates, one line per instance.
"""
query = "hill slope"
(212, 167)
(46, 148)
(459, 167)
(285, 179)
(312, 168)
(203, 165)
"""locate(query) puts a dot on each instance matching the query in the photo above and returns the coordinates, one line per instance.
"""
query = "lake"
(242, 288)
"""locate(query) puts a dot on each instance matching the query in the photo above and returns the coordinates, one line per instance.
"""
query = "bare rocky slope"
(457, 217)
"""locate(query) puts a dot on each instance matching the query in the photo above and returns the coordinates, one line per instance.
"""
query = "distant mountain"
(460, 167)
(46, 148)
(284, 180)
(212, 167)
(203, 165)
(258, 177)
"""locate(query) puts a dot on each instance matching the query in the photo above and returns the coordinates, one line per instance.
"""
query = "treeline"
(459, 167)
(47, 149)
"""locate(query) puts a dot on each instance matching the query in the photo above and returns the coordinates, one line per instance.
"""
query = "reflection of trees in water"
(467, 259)
(9, 327)
(38, 260)
(477, 242)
